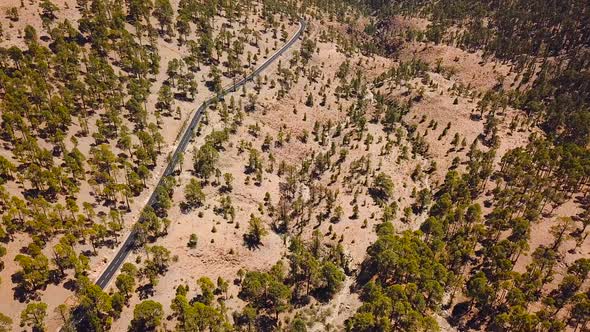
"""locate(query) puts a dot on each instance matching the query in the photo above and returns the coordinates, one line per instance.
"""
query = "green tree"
(215, 75)
(246, 317)
(48, 9)
(157, 263)
(118, 302)
(63, 310)
(164, 13)
(307, 49)
(64, 257)
(405, 281)
(125, 284)
(228, 178)
(193, 194)
(423, 199)
(204, 160)
(139, 10)
(129, 269)
(254, 161)
(256, 231)
(207, 288)
(193, 240)
(94, 306)
(147, 316)
(480, 292)
(7, 169)
(305, 269)
(34, 316)
(298, 325)
(183, 27)
(222, 285)
(333, 278)
(5, 323)
(34, 271)
(580, 312)
(382, 188)
(150, 222)
(266, 292)
(165, 99)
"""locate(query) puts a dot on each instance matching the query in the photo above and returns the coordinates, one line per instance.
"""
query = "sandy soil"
(29, 14)
(222, 253)
(213, 259)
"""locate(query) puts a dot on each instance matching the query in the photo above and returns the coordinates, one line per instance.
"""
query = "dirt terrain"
(173, 127)
(221, 253)
(286, 128)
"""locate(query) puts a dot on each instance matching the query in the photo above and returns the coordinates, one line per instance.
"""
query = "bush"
(192, 242)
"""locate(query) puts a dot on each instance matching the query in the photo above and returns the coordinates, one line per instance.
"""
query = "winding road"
(128, 244)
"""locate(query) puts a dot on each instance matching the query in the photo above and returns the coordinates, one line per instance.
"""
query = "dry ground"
(171, 128)
(222, 253)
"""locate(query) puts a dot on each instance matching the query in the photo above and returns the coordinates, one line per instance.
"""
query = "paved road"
(128, 245)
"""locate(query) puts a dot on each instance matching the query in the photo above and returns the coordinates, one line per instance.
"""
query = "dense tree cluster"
(531, 35)
(406, 282)
(82, 137)
(75, 112)
(312, 270)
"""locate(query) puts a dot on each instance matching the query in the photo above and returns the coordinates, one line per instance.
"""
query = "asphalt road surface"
(128, 245)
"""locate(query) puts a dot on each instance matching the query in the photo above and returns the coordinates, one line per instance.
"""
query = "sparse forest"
(304, 165)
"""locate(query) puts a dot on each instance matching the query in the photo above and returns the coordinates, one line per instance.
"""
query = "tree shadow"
(265, 323)
(56, 277)
(251, 242)
(459, 311)
(322, 294)
(21, 293)
(88, 253)
(186, 208)
(145, 291)
(71, 285)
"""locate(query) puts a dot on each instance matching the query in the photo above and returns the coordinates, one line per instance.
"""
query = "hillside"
(403, 166)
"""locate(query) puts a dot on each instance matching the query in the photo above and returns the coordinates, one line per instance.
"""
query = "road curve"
(127, 246)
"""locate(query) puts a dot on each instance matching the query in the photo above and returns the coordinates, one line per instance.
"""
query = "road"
(128, 244)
